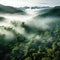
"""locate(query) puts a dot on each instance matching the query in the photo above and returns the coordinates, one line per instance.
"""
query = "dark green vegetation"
(2, 19)
(11, 10)
(44, 45)
(51, 12)
(20, 48)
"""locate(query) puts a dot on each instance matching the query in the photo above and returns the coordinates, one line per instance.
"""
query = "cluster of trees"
(47, 48)
(20, 48)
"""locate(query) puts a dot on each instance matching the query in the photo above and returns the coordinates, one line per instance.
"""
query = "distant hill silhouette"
(52, 12)
(9, 9)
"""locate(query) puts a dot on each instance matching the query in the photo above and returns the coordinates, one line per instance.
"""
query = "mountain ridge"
(52, 12)
(10, 9)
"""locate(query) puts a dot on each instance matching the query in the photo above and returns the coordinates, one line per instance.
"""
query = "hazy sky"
(18, 3)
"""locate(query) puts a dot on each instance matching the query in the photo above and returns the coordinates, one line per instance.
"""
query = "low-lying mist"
(22, 36)
(30, 25)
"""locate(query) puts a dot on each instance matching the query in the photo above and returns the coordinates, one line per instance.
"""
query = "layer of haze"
(18, 3)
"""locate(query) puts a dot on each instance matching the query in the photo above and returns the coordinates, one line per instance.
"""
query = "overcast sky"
(19, 3)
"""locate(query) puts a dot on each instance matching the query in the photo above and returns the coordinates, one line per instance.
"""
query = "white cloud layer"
(18, 3)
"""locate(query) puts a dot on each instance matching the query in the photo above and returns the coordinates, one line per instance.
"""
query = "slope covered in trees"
(26, 41)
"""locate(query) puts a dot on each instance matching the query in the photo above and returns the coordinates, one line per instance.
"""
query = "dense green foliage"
(25, 41)
(20, 48)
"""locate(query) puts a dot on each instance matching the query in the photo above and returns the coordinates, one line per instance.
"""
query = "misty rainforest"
(29, 34)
